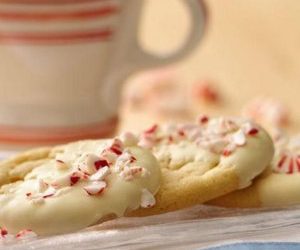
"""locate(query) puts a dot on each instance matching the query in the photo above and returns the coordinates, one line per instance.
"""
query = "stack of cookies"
(225, 161)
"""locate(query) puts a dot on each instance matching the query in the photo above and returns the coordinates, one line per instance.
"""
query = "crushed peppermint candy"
(147, 199)
(287, 156)
(202, 119)
(49, 192)
(26, 234)
(205, 90)
(239, 138)
(129, 173)
(100, 174)
(23, 234)
(116, 146)
(74, 178)
(221, 136)
(101, 164)
(91, 170)
(95, 188)
(88, 163)
(3, 232)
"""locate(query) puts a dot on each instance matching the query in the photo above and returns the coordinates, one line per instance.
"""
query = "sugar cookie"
(76, 185)
(278, 186)
(203, 161)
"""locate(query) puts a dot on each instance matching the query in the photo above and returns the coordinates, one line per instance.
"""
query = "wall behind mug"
(250, 47)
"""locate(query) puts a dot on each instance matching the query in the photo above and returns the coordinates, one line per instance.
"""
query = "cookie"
(278, 186)
(70, 187)
(202, 161)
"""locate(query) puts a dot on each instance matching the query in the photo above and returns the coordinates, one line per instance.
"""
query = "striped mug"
(62, 63)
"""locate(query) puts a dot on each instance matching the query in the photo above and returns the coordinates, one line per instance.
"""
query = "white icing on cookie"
(91, 185)
(221, 142)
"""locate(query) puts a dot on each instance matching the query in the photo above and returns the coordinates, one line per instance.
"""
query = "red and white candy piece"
(288, 163)
(129, 173)
(205, 90)
(89, 163)
(49, 192)
(147, 199)
(202, 119)
(239, 138)
(3, 232)
(100, 174)
(116, 146)
(109, 156)
(95, 188)
(26, 234)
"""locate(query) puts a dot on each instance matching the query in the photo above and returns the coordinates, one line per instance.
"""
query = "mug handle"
(137, 58)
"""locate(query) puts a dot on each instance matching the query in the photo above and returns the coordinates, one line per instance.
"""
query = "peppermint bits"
(152, 129)
(116, 147)
(88, 163)
(95, 188)
(26, 234)
(202, 119)
(239, 138)
(3, 232)
(101, 164)
(74, 179)
(147, 199)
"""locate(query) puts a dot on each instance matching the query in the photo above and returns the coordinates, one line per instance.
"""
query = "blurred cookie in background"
(158, 91)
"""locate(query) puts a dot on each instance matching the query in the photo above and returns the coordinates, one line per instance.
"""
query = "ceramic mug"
(62, 64)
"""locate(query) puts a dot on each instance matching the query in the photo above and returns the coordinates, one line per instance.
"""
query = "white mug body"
(61, 67)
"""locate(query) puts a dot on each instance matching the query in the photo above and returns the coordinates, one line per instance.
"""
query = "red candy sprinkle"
(47, 195)
(291, 166)
(3, 232)
(298, 162)
(101, 163)
(74, 178)
(60, 161)
(181, 133)
(204, 90)
(132, 159)
(226, 152)
(23, 233)
(203, 119)
(253, 131)
(116, 150)
(282, 160)
(152, 129)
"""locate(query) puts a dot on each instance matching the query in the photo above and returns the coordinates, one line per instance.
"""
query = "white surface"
(190, 229)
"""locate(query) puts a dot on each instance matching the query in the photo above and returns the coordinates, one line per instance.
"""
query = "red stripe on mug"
(55, 37)
(41, 135)
(63, 15)
(50, 2)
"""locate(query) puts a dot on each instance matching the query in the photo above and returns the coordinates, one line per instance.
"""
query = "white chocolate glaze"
(216, 143)
(71, 207)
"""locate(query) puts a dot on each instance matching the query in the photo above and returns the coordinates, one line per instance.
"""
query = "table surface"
(195, 228)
